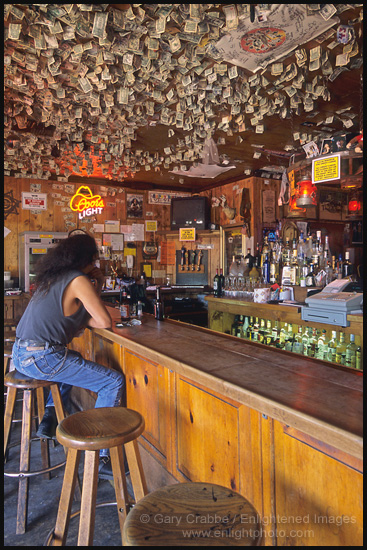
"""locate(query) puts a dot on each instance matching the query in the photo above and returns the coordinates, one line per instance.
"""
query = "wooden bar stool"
(15, 381)
(192, 514)
(90, 431)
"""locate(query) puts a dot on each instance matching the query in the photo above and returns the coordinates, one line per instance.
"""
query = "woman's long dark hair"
(75, 252)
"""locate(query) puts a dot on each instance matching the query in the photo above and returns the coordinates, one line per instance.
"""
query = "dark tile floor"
(44, 498)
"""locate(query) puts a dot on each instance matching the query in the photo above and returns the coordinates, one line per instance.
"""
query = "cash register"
(332, 305)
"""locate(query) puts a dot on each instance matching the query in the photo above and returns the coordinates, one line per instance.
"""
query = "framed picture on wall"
(134, 205)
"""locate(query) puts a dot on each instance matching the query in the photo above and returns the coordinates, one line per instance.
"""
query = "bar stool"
(90, 431)
(15, 381)
(192, 514)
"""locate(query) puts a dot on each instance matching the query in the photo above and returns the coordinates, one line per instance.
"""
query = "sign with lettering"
(34, 201)
(85, 203)
(326, 169)
(187, 234)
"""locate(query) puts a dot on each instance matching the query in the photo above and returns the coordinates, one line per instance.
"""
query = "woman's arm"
(81, 288)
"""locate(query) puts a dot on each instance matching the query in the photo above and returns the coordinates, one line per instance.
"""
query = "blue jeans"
(57, 363)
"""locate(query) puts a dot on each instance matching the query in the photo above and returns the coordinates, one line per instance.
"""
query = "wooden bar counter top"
(283, 430)
(304, 393)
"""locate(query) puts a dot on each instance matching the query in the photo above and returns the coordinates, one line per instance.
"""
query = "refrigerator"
(32, 245)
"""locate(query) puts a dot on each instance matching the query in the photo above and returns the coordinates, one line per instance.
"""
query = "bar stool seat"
(90, 431)
(192, 514)
(15, 381)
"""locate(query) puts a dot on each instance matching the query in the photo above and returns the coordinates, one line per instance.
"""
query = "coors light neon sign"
(85, 203)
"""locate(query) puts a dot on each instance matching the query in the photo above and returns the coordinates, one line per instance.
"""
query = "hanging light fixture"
(294, 210)
(354, 206)
(306, 194)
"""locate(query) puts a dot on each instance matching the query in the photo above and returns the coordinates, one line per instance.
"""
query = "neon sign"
(85, 203)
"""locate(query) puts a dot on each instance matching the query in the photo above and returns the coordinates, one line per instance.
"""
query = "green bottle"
(350, 352)
(331, 352)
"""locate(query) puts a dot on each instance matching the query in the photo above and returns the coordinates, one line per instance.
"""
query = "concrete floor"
(44, 497)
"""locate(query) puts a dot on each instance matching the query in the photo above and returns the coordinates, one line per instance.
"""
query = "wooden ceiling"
(67, 118)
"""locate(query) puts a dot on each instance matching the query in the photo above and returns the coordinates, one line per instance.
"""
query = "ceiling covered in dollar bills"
(176, 96)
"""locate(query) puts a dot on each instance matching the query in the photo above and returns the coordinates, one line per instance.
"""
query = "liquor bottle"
(329, 271)
(266, 269)
(275, 335)
(340, 267)
(216, 285)
(273, 268)
(305, 338)
(350, 352)
(234, 325)
(255, 272)
(310, 277)
(249, 259)
(289, 338)
(286, 271)
(359, 358)
(245, 326)
(124, 306)
(221, 282)
(294, 268)
(283, 336)
(268, 336)
(334, 268)
(262, 330)
(265, 251)
(158, 306)
(300, 247)
(340, 350)
(239, 330)
(347, 268)
(312, 344)
(331, 352)
(250, 328)
(298, 344)
(286, 253)
(321, 346)
(255, 334)
(327, 249)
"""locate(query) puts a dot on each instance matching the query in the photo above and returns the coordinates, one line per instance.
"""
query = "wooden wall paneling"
(318, 497)
(207, 436)
(147, 391)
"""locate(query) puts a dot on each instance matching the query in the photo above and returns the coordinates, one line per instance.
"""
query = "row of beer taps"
(190, 259)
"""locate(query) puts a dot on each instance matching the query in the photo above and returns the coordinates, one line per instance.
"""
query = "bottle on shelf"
(275, 334)
(359, 358)
(266, 269)
(340, 350)
(298, 344)
(249, 260)
(350, 352)
(274, 268)
(294, 268)
(239, 330)
(312, 344)
(283, 335)
(221, 282)
(289, 338)
(262, 329)
(321, 352)
(216, 285)
(347, 268)
(158, 306)
(255, 333)
(250, 328)
(265, 250)
(340, 267)
(331, 352)
(310, 277)
(268, 336)
(255, 271)
(305, 338)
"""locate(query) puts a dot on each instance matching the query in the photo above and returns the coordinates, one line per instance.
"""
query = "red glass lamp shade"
(294, 210)
(354, 206)
(306, 195)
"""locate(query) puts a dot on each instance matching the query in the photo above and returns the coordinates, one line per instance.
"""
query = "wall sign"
(326, 169)
(85, 203)
(187, 234)
(34, 201)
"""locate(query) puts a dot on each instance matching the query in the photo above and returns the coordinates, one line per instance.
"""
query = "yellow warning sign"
(187, 234)
(326, 169)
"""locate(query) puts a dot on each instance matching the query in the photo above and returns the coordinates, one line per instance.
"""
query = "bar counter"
(284, 431)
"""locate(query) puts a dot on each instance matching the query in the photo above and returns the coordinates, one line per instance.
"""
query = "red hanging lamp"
(306, 194)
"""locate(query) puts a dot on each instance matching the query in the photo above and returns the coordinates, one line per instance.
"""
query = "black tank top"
(44, 320)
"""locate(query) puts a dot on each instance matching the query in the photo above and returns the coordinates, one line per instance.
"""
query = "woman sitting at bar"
(64, 303)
